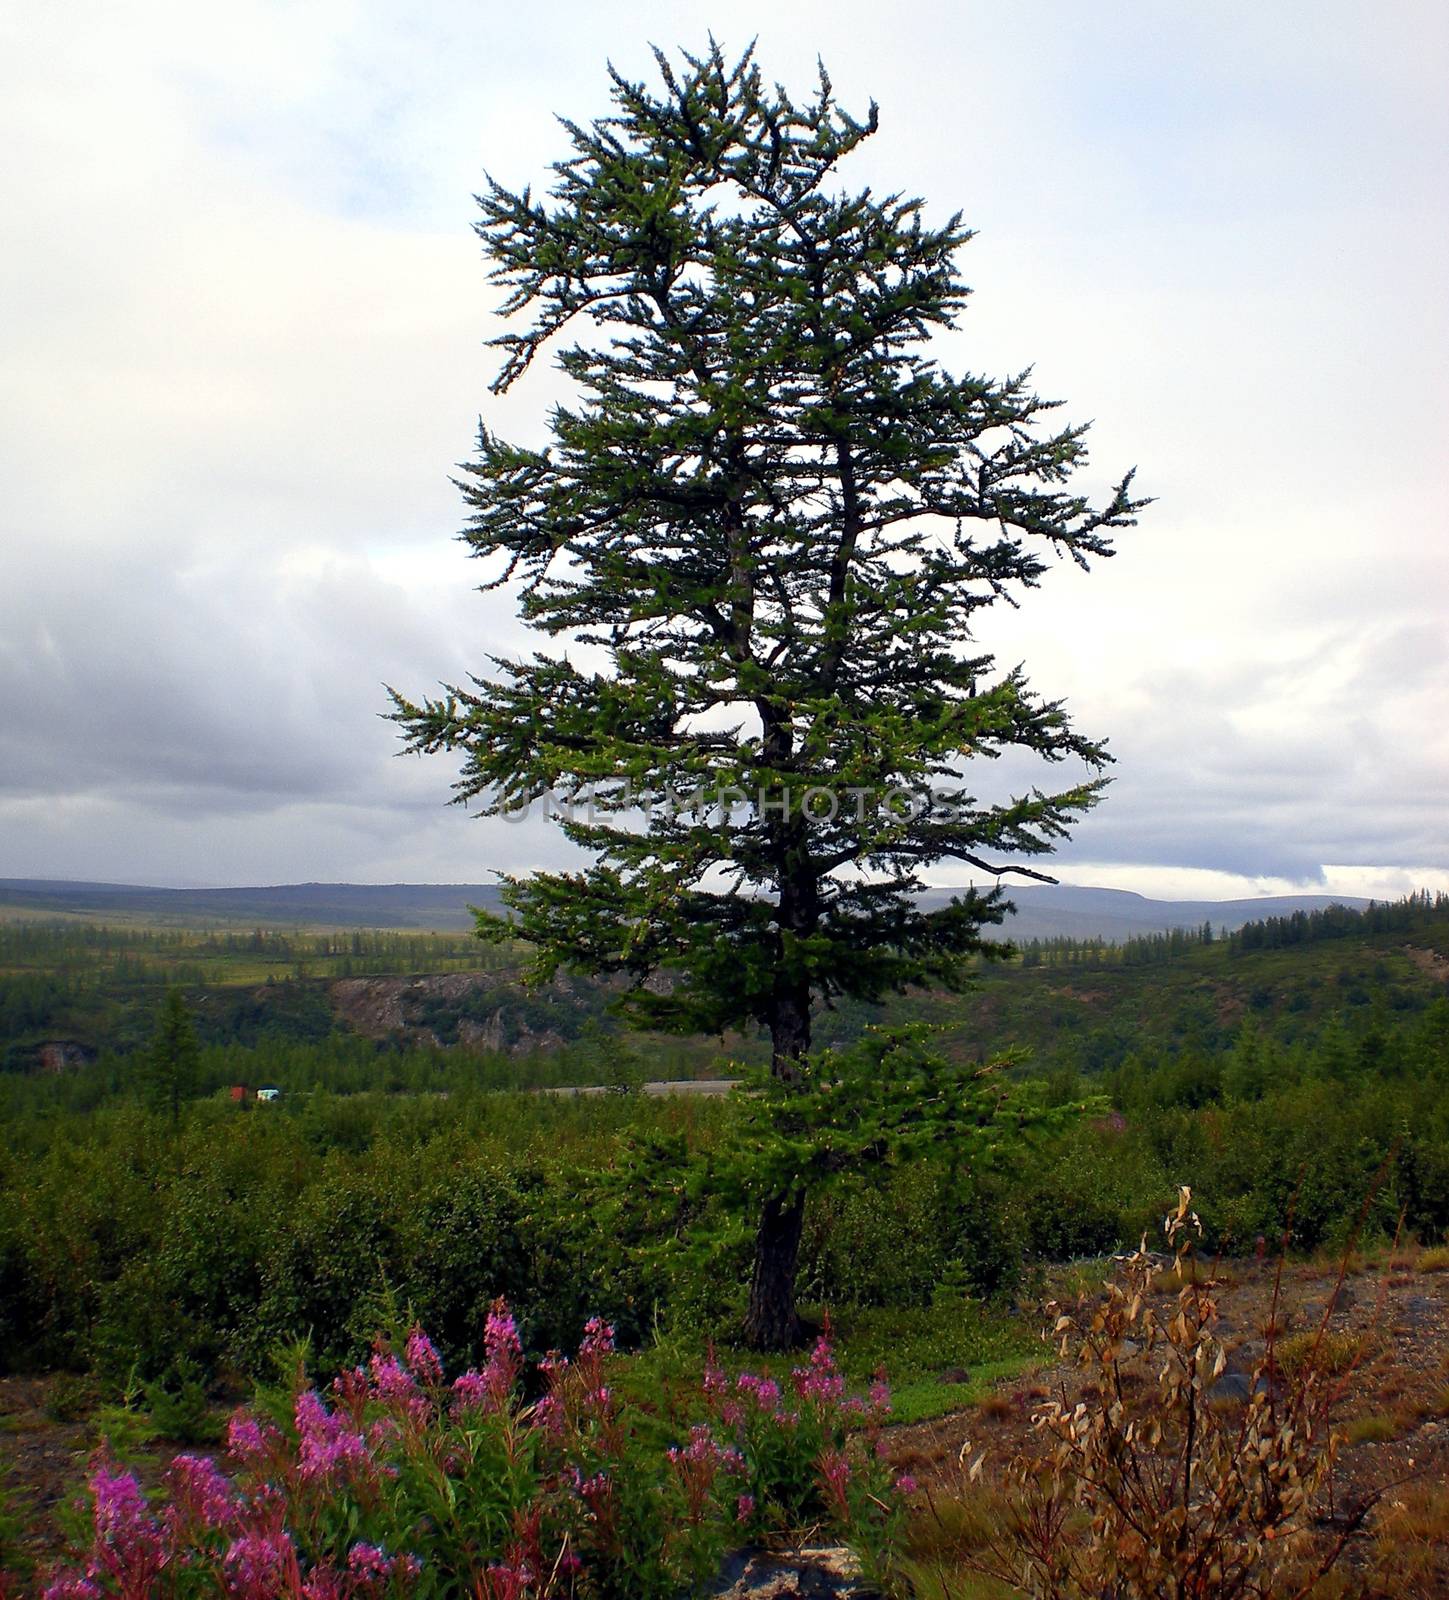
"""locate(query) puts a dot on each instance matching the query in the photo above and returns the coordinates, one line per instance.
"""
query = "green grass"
(912, 1346)
(921, 1401)
(1374, 1428)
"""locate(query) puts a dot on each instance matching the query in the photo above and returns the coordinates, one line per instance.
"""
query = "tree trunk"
(771, 1322)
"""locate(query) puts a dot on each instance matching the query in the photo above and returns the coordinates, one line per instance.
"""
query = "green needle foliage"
(173, 1062)
(776, 519)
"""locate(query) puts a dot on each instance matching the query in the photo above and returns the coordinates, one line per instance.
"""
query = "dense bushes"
(125, 1242)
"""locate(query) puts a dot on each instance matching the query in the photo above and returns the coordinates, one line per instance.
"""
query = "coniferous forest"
(1282, 1066)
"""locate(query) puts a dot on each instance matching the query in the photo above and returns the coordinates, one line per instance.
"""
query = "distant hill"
(1043, 911)
(1065, 911)
(443, 906)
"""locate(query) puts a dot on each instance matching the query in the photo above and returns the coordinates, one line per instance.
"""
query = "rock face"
(477, 1009)
(60, 1055)
(814, 1572)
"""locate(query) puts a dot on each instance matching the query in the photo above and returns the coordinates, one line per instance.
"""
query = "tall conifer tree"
(780, 519)
(174, 1059)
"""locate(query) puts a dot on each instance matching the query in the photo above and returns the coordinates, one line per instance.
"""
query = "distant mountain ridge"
(419, 906)
(1059, 911)
(1066, 911)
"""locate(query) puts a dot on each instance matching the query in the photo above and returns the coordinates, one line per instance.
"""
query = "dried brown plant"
(1169, 1487)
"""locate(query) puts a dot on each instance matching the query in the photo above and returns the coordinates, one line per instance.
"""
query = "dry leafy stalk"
(1183, 1495)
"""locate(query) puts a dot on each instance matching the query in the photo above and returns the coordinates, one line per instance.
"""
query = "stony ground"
(1386, 1325)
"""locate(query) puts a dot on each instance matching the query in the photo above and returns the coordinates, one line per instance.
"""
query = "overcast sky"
(242, 317)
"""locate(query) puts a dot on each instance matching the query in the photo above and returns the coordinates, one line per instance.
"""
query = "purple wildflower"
(257, 1565)
(391, 1379)
(504, 1353)
(248, 1441)
(548, 1414)
(324, 1583)
(369, 1567)
(819, 1381)
(507, 1582)
(72, 1586)
(201, 1492)
(470, 1392)
(500, 1332)
(598, 1338)
(765, 1392)
(129, 1543)
(422, 1357)
(703, 1446)
(835, 1479)
(325, 1444)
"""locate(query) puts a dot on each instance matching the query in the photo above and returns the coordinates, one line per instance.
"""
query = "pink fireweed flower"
(880, 1394)
(325, 1444)
(765, 1392)
(906, 1484)
(258, 1565)
(595, 1489)
(391, 1380)
(369, 1562)
(200, 1493)
(715, 1381)
(129, 1544)
(819, 1387)
(548, 1414)
(500, 1332)
(470, 1392)
(699, 1463)
(744, 1507)
(598, 1338)
(835, 1479)
(394, 1385)
(819, 1381)
(507, 1582)
(324, 1583)
(248, 1441)
(71, 1586)
(703, 1446)
(423, 1358)
(352, 1383)
(503, 1350)
(370, 1568)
